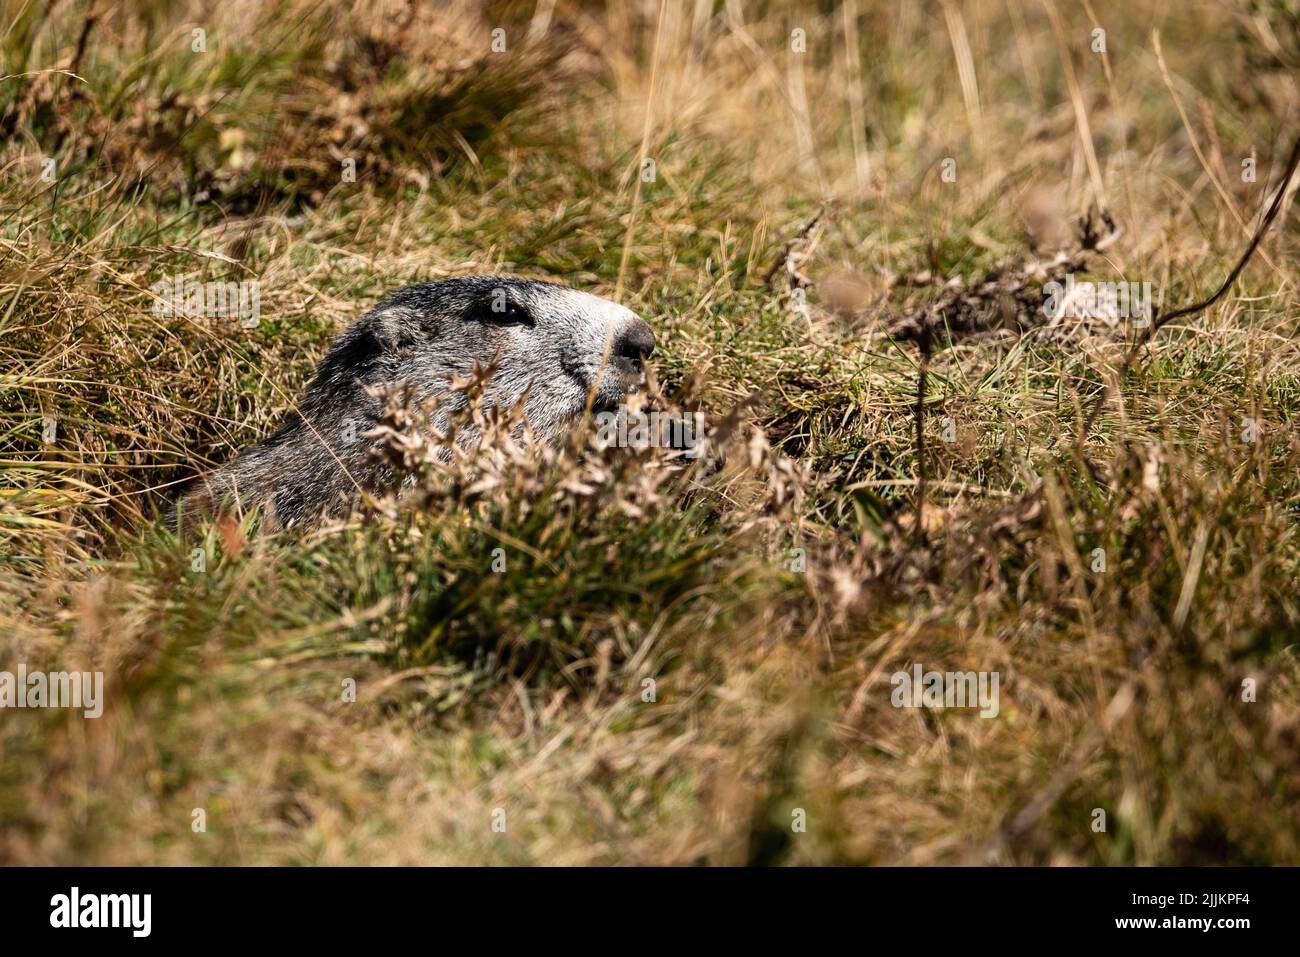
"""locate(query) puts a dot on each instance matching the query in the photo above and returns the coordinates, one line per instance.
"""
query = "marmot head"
(565, 350)
(559, 345)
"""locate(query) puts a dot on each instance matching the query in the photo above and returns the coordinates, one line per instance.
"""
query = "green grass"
(649, 680)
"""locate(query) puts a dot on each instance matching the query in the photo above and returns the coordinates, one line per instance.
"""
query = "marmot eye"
(500, 311)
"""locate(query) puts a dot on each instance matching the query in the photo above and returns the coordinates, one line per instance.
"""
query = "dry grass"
(525, 691)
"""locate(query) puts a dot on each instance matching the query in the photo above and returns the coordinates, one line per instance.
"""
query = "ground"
(624, 656)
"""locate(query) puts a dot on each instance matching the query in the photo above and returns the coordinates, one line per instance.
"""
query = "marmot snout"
(557, 344)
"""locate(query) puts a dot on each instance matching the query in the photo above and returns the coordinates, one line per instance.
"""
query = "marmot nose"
(635, 343)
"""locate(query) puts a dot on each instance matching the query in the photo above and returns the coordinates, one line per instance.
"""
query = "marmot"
(559, 345)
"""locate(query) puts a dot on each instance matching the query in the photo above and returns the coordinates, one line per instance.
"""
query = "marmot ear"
(396, 330)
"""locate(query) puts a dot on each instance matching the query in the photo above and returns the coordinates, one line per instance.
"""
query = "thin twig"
(1158, 321)
(923, 342)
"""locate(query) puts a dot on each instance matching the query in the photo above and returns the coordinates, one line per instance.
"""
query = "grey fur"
(563, 345)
